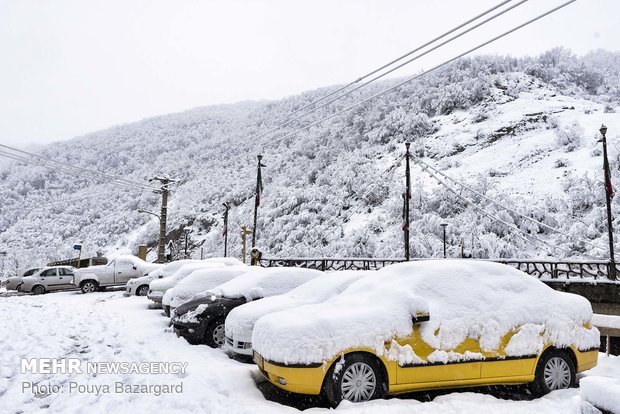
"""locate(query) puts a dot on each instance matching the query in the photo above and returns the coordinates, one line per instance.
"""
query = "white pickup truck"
(116, 273)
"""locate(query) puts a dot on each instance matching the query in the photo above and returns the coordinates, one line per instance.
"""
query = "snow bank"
(261, 283)
(200, 280)
(601, 392)
(466, 299)
(240, 321)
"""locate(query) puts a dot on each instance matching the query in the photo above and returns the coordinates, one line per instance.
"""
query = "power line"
(505, 207)
(72, 168)
(403, 64)
(423, 73)
(288, 120)
(498, 220)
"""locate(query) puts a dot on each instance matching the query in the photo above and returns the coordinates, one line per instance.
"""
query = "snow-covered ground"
(107, 327)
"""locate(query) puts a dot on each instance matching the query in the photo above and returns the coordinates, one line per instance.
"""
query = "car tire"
(214, 335)
(38, 290)
(18, 287)
(142, 290)
(357, 378)
(555, 371)
(89, 286)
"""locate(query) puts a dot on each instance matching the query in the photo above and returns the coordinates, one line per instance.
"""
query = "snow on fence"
(542, 269)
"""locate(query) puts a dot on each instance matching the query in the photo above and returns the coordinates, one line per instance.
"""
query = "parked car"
(240, 321)
(429, 324)
(202, 320)
(140, 285)
(196, 282)
(48, 279)
(13, 283)
(157, 288)
(116, 273)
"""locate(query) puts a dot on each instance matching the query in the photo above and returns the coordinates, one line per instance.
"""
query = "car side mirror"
(420, 317)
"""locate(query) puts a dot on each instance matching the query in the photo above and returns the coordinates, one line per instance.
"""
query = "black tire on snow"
(333, 383)
(89, 286)
(38, 290)
(555, 370)
(209, 338)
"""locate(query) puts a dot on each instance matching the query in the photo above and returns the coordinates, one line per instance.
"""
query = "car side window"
(64, 272)
(49, 272)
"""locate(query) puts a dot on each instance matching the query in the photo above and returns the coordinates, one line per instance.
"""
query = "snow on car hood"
(466, 299)
(200, 280)
(240, 321)
(261, 283)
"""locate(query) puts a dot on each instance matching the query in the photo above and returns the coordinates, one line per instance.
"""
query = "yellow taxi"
(427, 325)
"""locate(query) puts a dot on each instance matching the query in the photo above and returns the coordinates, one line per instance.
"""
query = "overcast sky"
(72, 67)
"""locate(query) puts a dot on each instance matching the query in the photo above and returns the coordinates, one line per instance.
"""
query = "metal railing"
(542, 269)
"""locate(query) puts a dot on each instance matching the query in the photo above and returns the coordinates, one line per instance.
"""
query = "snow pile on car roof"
(240, 321)
(262, 283)
(190, 266)
(200, 280)
(465, 299)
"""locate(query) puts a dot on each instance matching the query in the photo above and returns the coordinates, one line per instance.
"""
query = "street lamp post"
(444, 225)
(160, 257)
(608, 195)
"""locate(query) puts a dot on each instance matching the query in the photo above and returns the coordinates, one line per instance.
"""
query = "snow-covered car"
(158, 287)
(48, 279)
(240, 321)
(14, 282)
(116, 273)
(140, 285)
(429, 324)
(201, 320)
(196, 282)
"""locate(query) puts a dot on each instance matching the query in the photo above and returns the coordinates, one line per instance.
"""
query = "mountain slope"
(520, 130)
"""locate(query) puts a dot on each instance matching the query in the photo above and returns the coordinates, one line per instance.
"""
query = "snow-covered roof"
(240, 321)
(260, 282)
(465, 299)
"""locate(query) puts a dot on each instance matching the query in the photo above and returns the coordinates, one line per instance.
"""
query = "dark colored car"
(201, 324)
(202, 319)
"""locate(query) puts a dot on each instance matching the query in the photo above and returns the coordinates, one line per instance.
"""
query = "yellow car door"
(443, 367)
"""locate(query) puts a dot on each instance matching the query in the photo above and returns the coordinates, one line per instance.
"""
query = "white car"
(116, 273)
(240, 321)
(158, 287)
(13, 283)
(48, 279)
(140, 285)
(196, 282)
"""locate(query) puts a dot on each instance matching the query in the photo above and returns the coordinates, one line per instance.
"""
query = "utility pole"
(406, 198)
(163, 215)
(259, 190)
(225, 233)
(608, 195)
(444, 225)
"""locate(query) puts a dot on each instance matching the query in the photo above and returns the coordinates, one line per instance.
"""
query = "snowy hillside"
(522, 131)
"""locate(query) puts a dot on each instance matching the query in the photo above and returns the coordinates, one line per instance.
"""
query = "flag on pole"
(405, 224)
(259, 184)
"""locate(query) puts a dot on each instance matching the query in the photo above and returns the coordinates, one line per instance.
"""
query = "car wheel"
(555, 371)
(38, 290)
(357, 379)
(214, 335)
(89, 286)
(166, 310)
(18, 287)
(142, 290)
